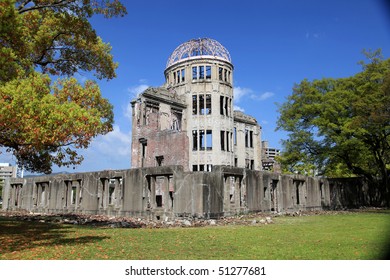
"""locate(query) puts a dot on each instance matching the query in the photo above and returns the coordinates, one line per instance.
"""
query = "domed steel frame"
(199, 47)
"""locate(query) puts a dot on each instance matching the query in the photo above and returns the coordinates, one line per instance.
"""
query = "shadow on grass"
(16, 235)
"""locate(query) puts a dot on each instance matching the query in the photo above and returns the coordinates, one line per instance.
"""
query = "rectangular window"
(209, 167)
(221, 104)
(252, 164)
(235, 162)
(194, 168)
(225, 72)
(226, 106)
(159, 201)
(194, 104)
(220, 73)
(202, 140)
(201, 72)
(174, 77)
(208, 104)
(222, 140)
(201, 167)
(209, 139)
(201, 105)
(208, 72)
(251, 139)
(246, 138)
(235, 136)
(183, 75)
(194, 140)
(178, 76)
(111, 198)
(227, 141)
(194, 73)
(73, 194)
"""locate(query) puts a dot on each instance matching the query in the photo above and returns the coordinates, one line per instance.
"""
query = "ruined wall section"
(247, 142)
(158, 135)
(170, 192)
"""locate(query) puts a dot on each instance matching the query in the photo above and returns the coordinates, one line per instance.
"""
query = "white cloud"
(238, 108)
(128, 112)
(240, 92)
(262, 96)
(116, 143)
(136, 90)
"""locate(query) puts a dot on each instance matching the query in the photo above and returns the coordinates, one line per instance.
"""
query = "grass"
(345, 236)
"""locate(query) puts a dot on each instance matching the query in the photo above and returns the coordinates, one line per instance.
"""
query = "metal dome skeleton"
(202, 47)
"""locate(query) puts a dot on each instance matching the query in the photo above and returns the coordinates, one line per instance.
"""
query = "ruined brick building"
(192, 156)
(190, 120)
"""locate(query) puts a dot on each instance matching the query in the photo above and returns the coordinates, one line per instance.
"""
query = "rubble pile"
(131, 222)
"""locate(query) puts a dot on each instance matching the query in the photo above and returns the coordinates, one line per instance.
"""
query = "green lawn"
(342, 236)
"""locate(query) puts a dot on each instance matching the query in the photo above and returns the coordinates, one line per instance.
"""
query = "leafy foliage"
(43, 122)
(341, 126)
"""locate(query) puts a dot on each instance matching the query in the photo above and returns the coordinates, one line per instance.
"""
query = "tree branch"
(60, 3)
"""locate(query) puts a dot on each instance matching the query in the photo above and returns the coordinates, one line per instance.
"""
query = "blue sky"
(273, 44)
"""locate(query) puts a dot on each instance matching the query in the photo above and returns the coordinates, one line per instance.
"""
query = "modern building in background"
(190, 120)
(269, 155)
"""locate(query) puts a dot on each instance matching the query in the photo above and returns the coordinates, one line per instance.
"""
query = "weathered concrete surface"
(168, 193)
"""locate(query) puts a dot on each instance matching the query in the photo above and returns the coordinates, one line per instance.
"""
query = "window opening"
(208, 72)
(202, 140)
(209, 139)
(201, 105)
(194, 73)
(194, 167)
(43, 195)
(111, 193)
(208, 104)
(159, 200)
(201, 167)
(225, 72)
(227, 141)
(201, 72)
(235, 162)
(159, 160)
(194, 140)
(73, 194)
(226, 106)
(246, 138)
(194, 104)
(251, 139)
(171, 198)
(183, 75)
(235, 135)
(220, 73)
(209, 167)
(222, 140)
(297, 191)
(252, 164)
(221, 104)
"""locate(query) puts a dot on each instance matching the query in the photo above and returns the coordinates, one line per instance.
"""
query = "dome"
(202, 47)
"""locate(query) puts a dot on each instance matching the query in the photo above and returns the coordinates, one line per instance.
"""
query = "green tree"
(341, 126)
(44, 122)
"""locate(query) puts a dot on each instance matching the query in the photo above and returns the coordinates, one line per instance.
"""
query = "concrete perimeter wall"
(169, 192)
